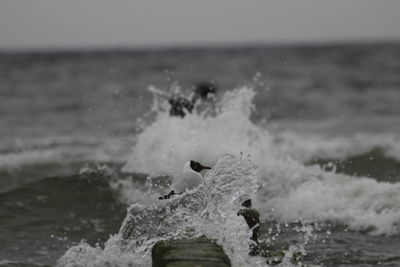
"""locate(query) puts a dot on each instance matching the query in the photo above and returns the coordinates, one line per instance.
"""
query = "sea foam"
(289, 190)
(209, 210)
(283, 188)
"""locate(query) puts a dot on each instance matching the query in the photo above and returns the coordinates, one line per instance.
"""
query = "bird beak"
(205, 167)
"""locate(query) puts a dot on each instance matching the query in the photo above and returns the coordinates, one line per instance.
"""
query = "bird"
(187, 180)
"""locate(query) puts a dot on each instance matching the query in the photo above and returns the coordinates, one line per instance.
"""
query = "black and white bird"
(189, 178)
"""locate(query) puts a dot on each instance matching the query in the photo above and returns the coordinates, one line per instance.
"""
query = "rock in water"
(252, 217)
(199, 252)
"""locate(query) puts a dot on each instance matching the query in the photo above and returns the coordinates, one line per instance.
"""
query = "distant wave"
(35, 159)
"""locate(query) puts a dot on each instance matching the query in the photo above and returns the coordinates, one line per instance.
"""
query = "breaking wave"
(290, 189)
(287, 185)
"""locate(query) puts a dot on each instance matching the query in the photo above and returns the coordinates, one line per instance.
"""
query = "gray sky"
(86, 23)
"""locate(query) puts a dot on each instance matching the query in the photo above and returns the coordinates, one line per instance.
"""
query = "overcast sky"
(103, 23)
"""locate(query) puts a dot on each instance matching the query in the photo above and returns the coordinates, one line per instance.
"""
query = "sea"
(311, 133)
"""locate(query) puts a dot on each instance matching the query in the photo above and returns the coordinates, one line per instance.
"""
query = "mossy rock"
(200, 252)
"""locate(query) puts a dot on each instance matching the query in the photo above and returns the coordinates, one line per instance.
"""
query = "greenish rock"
(199, 252)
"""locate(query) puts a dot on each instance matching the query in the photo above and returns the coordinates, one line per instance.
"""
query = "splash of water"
(210, 210)
(289, 189)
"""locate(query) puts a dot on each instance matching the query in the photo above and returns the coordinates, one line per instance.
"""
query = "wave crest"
(289, 189)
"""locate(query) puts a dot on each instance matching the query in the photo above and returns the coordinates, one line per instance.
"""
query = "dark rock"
(204, 89)
(252, 218)
(201, 252)
(180, 106)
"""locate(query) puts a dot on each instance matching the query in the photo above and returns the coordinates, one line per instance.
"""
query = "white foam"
(305, 147)
(289, 189)
(291, 192)
(209, 210)
(113, 254)
(64, 150)
(165, 145)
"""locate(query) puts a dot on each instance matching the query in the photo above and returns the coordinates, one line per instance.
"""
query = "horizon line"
(197, 46)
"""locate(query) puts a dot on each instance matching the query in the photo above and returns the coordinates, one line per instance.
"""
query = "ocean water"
(310, 133)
